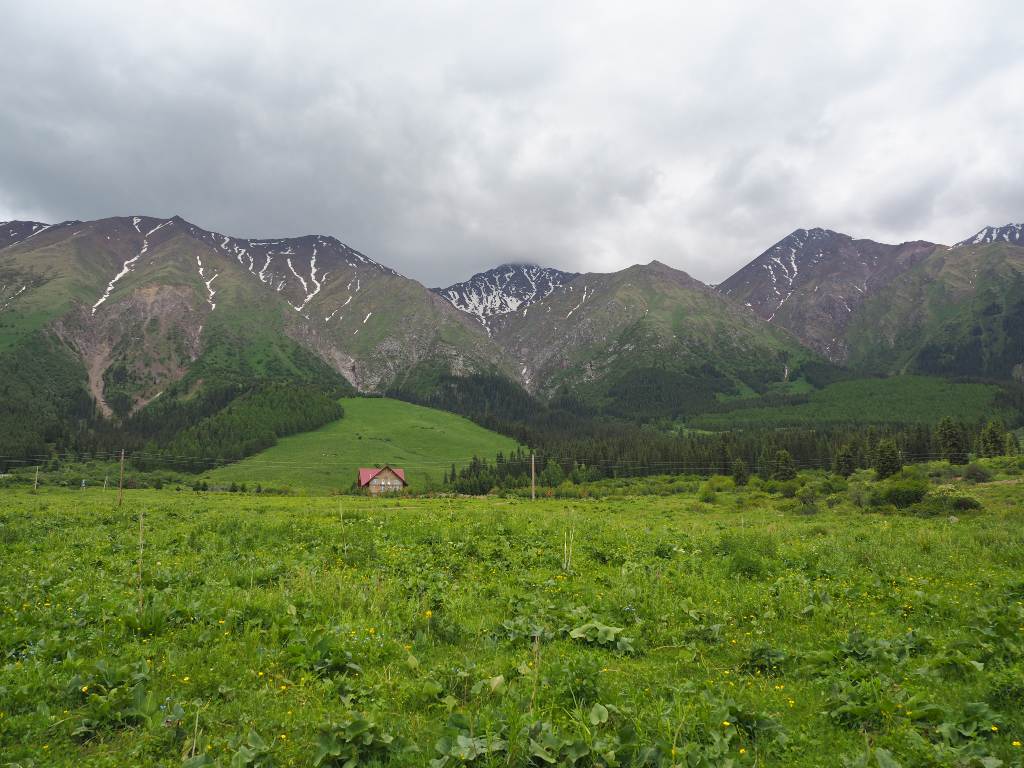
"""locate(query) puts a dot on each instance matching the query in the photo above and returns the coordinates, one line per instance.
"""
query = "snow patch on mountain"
(1009, 233)
(505, 289)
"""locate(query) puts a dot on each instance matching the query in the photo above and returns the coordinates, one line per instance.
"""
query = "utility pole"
(120, 484)
(35, 487)
(533, 476)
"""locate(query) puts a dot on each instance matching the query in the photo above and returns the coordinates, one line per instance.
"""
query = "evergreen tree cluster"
(571, 442)
(248, 424)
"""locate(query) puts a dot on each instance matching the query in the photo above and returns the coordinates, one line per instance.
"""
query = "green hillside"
(896, 400)
(423, 441)
(958, 313)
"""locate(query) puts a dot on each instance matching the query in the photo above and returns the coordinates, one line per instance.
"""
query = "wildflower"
(185, 679)
(743, 750)
(726, 723)
(428, 613)
(85, 689)
(995, 728)
(1016, 743)
(284, 737)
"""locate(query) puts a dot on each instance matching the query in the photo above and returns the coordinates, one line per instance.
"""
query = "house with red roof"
(384, 479)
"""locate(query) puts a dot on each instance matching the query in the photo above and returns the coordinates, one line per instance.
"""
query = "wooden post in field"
(120, 483)
(142, 546)
(35, 487)
(533, 476)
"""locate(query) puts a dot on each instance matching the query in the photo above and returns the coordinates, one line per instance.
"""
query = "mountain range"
(121, 311)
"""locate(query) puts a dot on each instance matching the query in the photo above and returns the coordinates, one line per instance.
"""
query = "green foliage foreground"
(747, 628)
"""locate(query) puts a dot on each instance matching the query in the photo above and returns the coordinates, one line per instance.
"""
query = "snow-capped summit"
(505, 289)
(1009, 233)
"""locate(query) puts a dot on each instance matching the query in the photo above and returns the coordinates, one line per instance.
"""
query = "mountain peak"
(504, 289)
(1008, 233)
(15, 231)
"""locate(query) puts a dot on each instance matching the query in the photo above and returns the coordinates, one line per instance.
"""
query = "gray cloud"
(587, 136)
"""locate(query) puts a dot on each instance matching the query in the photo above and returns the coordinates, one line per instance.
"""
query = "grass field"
(734, 631)
(375, 431)
(896, 400)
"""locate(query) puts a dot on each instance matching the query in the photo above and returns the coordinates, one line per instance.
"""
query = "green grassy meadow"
(727, 627)
(374, 431)
(895, 400)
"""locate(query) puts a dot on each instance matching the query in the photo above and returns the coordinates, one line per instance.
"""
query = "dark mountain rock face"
(812, 281)
(12, 232)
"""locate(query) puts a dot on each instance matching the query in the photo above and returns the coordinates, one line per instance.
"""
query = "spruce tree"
(740, 473)
(844, 462)
(785, 469)
(887, 458)
(952, 442)
(993, 439)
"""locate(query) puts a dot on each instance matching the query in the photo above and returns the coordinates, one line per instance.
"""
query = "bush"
(834, 484)
(903, 493)
(788, 489)
(945, 500)
(976, 473)
(808, 498)
(748, 565)
(734, 542)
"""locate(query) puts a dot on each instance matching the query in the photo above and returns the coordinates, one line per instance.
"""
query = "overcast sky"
(444, 138)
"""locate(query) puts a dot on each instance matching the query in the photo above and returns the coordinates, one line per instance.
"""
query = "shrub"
(976, 473)
(788, 489)
(945, 500)
(733, 542)
(903, 493)
(808, 498)
(748, 565)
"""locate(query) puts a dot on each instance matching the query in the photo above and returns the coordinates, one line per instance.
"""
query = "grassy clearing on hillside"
(733, 631)
(896, 400)
(374, 431)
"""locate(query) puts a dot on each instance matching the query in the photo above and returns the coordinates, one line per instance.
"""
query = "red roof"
(366, 474)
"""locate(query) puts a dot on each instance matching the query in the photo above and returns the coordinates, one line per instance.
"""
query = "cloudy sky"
(442, 138)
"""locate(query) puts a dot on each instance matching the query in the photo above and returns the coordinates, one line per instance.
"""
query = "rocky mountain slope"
(814, 281)
(492, 295)
(146, 303)
(648, 339)
(120, 312)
